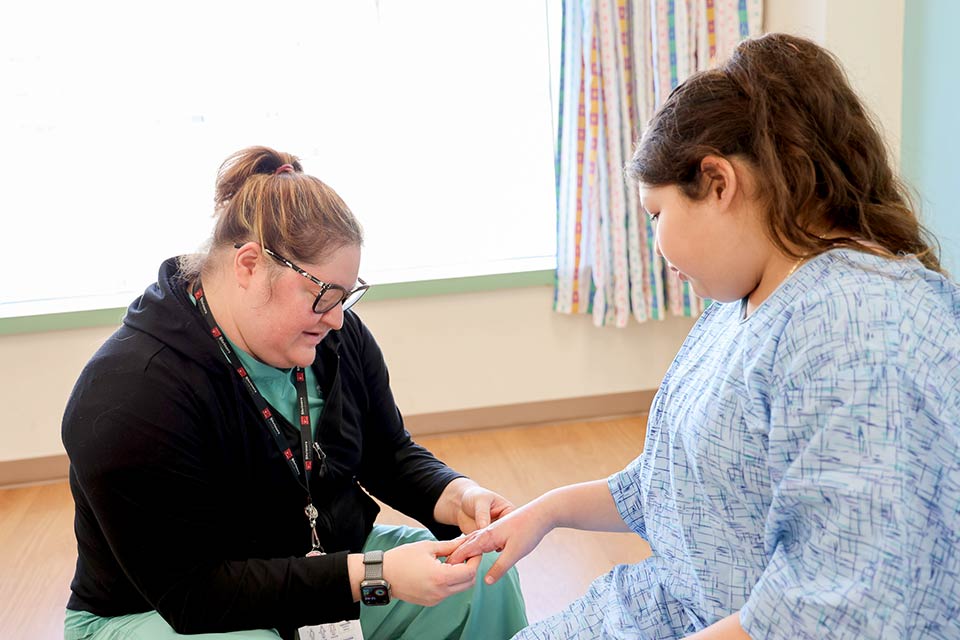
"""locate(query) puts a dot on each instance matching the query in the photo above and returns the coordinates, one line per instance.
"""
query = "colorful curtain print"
(620, 59)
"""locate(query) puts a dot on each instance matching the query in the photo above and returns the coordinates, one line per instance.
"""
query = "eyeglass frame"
(324, 286)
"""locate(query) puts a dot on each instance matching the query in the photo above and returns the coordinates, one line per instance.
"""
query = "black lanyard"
(303, 404)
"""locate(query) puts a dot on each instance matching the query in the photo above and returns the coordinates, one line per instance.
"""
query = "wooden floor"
(38, 549)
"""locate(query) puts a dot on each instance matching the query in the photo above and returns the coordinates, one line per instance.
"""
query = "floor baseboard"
(33, 470)
(56, 467)
(511, 415)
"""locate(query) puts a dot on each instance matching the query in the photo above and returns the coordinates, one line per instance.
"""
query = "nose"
(333, 318)
(656, 241)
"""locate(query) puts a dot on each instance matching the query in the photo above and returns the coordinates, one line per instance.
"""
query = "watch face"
(375, 594)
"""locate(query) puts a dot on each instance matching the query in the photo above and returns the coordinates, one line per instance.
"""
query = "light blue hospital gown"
(801, 466)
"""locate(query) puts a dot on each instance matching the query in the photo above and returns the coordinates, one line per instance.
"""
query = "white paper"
(343, 630)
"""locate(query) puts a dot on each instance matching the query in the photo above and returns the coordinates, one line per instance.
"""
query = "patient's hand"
(515, 535)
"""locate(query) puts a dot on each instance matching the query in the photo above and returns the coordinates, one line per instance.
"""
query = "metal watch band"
(373, 565)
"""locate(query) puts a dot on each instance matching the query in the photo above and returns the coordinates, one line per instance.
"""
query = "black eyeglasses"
(330, 294)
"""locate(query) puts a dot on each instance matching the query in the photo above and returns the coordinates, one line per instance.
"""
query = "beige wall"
(485, 349)
(475, 350)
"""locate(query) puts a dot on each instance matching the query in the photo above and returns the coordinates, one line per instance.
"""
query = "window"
(432, 119)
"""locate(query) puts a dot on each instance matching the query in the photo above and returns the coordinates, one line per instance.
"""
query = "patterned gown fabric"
(801, 466)
(621, 59)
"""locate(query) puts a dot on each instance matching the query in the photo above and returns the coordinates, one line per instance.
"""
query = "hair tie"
(283, 169)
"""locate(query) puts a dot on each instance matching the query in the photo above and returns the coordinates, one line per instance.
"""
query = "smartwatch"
(374, 590)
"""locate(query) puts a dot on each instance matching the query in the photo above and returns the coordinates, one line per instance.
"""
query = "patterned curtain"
(620, 59)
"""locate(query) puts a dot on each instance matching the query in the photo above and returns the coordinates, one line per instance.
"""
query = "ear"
(246, 262)
(721, 180)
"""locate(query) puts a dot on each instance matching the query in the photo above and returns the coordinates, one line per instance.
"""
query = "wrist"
(548, 510)
(374, 588)
(355, 572)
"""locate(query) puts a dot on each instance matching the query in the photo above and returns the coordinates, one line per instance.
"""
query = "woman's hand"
(417, 575)
(470, 506)
(514, 536)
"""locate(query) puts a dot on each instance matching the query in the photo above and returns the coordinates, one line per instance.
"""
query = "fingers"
(463, 552)
(462, 576)
(500, 567)
(446, 547)
(482, 542)
(481, 510)
(416, 576)
(475, 544)
(501, 510)
(457, 573)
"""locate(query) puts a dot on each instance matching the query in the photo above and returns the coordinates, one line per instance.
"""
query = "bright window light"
(432, 119)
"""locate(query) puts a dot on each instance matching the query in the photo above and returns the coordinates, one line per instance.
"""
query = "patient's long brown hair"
(784, 105)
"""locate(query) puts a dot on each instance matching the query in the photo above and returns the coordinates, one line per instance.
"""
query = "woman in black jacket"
(222, 443)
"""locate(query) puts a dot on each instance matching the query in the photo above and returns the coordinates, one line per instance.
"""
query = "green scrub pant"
(484, 612)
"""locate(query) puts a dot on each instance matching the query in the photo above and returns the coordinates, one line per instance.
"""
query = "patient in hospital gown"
(801, 465)
(801, 472)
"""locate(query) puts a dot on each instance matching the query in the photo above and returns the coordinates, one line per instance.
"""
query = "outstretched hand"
(516, 535)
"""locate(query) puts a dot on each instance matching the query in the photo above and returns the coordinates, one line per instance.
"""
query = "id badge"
(343, 630)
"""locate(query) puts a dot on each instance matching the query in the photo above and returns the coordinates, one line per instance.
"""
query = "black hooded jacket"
(184, 503)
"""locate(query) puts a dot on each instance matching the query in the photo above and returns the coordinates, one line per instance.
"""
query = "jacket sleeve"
(393, 467)
(146, 468)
